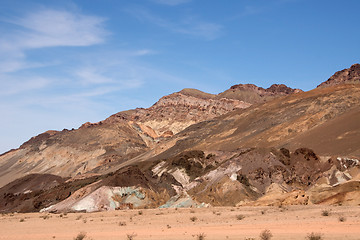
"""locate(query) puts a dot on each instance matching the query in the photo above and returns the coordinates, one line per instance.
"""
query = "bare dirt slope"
(214, 223)
(276, 123)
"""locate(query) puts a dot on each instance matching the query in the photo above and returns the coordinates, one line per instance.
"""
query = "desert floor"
(290, 222)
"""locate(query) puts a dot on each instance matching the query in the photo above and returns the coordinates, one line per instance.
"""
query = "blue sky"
(63, 63)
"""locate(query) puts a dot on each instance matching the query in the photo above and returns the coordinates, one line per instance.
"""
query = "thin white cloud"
(188, 26)
(47, 28)
(91, 76)
(171, 2)
(16, 85)
(53, 28)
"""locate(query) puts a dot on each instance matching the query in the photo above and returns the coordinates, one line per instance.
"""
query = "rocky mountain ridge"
(346, 76)
(117, 139)
(194, 149)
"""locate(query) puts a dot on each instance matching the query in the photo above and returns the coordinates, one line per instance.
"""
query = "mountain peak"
(346, 76)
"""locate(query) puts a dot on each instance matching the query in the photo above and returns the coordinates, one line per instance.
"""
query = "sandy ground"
(294, 222)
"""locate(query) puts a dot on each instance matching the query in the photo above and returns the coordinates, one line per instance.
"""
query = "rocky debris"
(253, 94)
(346, 76)
(252, 177)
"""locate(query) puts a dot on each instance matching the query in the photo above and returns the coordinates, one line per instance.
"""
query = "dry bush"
(122, 223)
(325, 213)
(314, 236)
(266, 235)
(140, 212)
(201, 236)
(240, 217)
(80, 236)
(193, 219)
(342, 219)
(22, 220)
(131, 236)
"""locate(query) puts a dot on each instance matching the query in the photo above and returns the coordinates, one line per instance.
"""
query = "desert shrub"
(45, 217)
(240, 217)
(131, 236)
(22, 220)
(201, 236)
(314, 236)
(342, 219)
(84, 220)
(266, 235)
(325, 213)
(262, 212)
(80, 236)
(193, 219)
(140, 212)
(122, 223)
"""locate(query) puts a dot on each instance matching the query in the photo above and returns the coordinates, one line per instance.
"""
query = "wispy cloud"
(18, 85)
(171, 2)
(190, 26)
(47, 28)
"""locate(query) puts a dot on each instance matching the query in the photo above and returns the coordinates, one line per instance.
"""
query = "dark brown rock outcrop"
(346, 76)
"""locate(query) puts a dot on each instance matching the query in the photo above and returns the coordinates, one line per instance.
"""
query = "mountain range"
(245, 146)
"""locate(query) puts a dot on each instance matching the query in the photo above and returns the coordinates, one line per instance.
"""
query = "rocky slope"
(253, 94)
(194, 149)
(95, 146)
(347, 76)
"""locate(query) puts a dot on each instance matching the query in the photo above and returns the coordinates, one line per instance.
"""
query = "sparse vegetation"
(266, 235)
(22, 220)
(201, 236)
(193, 219)
(131, 236)
(122, 223)
(45, 217)
(80, 236)
(168, 226)
(262, 212)
(325, 213)
(140, 212)
(314, 236)
(342, 219)
(240, 217)
(84, 220)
